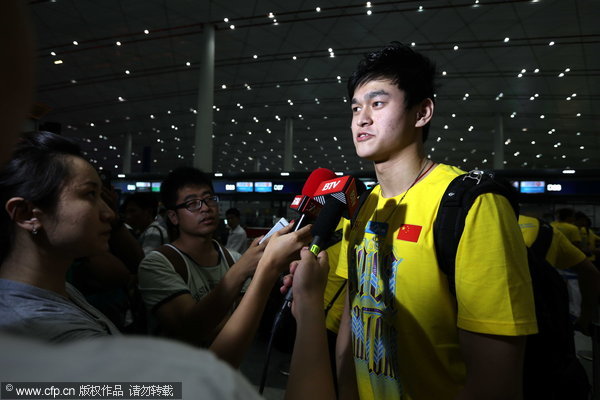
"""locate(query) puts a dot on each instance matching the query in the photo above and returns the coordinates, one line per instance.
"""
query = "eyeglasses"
(196, 204)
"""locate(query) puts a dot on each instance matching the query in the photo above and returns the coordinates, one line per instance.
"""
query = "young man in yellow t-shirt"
(403, 335)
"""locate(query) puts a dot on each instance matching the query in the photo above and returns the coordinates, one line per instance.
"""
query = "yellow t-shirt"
(404, 318)
(562, 254)
(569, 230)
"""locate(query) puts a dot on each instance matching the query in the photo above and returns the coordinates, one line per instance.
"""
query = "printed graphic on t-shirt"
(373, 312)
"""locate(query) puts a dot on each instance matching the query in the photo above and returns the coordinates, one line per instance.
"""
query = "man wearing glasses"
(192, 284)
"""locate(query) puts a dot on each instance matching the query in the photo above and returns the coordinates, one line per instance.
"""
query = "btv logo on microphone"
(331, 185)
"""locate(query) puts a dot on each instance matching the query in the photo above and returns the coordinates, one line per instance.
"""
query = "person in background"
(237, 239)
(565, 218)
(141, 209)
(53, 213)
(589, 238)
(565, 256)
(191, 286)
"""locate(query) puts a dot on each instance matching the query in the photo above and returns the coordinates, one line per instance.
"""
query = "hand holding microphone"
(309, 278)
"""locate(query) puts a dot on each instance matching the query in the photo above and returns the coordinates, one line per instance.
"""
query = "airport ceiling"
(111, 67)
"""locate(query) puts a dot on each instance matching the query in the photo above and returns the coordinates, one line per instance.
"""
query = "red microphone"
(304, 203)
(343, 189)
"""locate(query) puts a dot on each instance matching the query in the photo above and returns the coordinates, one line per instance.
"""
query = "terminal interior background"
(254, 91)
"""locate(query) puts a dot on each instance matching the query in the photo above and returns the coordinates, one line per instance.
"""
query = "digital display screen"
(263, 187)
(156, 186)
(533, 186)
(244, 187)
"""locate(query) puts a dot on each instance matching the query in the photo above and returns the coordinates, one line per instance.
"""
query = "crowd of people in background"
(375, 315)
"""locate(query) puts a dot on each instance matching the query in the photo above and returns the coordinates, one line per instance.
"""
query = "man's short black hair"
(233, 211)
(179, 178)
(565, 213)
(412, 72)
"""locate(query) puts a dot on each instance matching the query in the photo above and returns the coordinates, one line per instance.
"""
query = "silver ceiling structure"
(115, 67)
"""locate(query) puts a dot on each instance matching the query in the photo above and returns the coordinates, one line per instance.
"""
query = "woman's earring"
(34, 231)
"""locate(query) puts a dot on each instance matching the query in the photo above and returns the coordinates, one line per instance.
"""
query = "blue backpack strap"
(452, 213)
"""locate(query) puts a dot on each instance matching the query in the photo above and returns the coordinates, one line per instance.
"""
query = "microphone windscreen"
(328, 219)
(314, 180)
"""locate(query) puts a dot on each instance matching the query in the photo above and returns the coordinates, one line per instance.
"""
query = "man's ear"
(23, 213)
(172, 215)
(424, 113)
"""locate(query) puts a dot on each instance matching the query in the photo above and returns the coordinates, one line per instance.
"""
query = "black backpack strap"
(175, 259)
(543, 240)
(452, 213)
(335, 297)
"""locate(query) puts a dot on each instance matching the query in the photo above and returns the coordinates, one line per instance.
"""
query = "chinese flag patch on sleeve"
(409, 233)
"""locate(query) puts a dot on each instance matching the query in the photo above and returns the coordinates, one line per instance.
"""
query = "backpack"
(551, 368)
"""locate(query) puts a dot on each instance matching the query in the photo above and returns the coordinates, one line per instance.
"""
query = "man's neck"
(397, 174)
(200, 248)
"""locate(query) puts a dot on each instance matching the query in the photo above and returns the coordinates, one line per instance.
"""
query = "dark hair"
(412, 72)
(37, 171)
(144, 200)
(177, 179)
(564, 213)
(233, 211)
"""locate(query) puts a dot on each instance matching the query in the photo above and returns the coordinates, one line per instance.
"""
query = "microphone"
(343, 189)
(304, 203)
(337, 195)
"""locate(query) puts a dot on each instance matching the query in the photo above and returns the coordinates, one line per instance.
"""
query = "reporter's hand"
(308, 279)
(283, 247)
(249, 260)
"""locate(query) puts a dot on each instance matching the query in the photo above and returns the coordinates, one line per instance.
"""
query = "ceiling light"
(369, 12)
(551, 43)
(318, 9)
(226, 19)
(231, 26)
(568, 171)
(58, 62)
(75, 42)
(455, 48)
(506, 39)
(368, 4)
(444, 73)
(542, 116)
(146, 31)
(52, 53)
(561, 74)
(127, 71)
(535, 71)
(118, 43)
(188, 63)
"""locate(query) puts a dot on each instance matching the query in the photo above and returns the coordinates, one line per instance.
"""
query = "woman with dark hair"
(53, 214)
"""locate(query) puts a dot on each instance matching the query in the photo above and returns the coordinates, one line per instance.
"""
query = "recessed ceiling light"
(506, 39)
